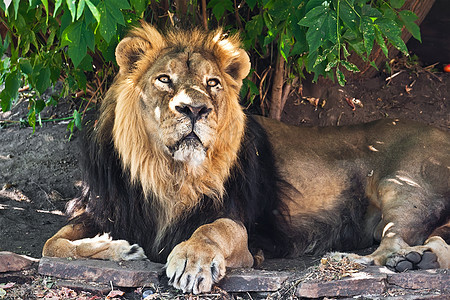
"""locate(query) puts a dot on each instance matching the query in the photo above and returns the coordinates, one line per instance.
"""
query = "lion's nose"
(193, 112)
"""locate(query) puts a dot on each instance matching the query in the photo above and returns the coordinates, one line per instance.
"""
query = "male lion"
(174, 166)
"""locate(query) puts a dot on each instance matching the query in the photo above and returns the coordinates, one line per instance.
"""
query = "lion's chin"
(191, 151)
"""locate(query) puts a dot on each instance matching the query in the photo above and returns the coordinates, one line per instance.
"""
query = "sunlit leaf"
(71, 4)
(340, 77)
(350, 66)
(93, 10)
(80, 8)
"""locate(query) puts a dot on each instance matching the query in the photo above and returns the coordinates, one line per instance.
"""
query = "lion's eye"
(164, 79)
(212, 82)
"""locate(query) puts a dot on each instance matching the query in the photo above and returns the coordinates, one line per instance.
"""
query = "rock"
(251, 280)
(10, 262)
(360, 283)
(122, 274)
(425, 279)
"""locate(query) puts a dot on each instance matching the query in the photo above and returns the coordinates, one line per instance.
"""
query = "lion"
(176, 172)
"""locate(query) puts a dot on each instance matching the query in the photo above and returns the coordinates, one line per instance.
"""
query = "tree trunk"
(276, 106)
(421, 9)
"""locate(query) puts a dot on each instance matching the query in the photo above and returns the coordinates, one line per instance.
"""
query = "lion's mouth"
(189, 149)
(189, 140)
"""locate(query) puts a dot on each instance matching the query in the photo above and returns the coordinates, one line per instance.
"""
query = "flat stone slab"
(251, 280)
(123, 274)
(377, 280)
(145, 273)
(437, 279)
(11, 262)
(359, 283)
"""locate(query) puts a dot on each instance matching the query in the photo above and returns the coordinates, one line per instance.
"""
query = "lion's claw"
(194, 271)
(413, 261)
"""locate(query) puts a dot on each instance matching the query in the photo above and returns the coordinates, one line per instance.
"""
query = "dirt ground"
(39, 171)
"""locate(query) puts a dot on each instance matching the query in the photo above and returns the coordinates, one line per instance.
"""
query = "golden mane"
(175, 186)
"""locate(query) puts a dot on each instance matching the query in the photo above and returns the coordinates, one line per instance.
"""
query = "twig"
(204, 17)
(394, 75)
(236, 15)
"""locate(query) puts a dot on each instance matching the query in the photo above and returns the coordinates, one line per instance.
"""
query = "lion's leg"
(70, 241)
(196, 264)
(410, 215)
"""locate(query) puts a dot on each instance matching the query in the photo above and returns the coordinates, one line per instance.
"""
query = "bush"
(73, 41)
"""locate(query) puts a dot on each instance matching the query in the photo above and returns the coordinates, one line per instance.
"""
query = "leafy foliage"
(74, 40)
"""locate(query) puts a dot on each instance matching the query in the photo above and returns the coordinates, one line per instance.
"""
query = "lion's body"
(344, 175)
(174, 166)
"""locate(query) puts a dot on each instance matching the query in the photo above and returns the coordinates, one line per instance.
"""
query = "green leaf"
(57, 6)
(77, 119)
(93, 10)
(72, 8)
(219, 7)
(110, 16)
(80, 8)
(373, 64)
(4, 45)
(70, 128)
(345, 51)
(43, 80)
(408, 18)
(25, 66)
(251, 3)
(139, 6)
(32, 119)
(331, 65)
(397, 3)
(16, 7)
(78, 37)
(340, 77)
(45, 3)
(313, 3)
(348, 15)
(350, 66)
(314, 16)
(368, 31)
(11, 91)
(380, 41)
(391, 30)
(39, 105)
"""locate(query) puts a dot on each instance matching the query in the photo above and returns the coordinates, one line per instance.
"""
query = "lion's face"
(174, 108)
(183, 95)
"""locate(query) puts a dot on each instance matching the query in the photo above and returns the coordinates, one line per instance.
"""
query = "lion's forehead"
(187, 65)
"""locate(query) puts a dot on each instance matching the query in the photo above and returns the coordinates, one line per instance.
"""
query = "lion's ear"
(239, 65)
(129, 51)
(233, 59)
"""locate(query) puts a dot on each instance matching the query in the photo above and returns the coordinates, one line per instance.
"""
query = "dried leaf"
(114, 293)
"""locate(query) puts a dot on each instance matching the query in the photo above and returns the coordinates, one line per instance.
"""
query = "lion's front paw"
(104, 247)
(195, 268)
